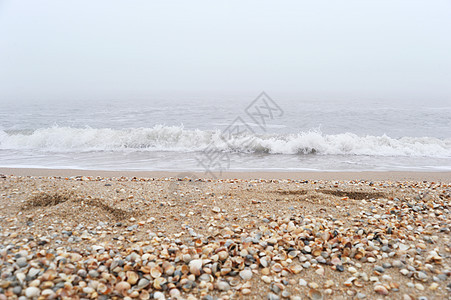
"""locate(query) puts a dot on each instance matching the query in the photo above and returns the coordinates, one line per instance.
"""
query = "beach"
(274, 235)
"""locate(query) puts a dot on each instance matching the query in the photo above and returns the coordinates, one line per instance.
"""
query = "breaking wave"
(176, 138)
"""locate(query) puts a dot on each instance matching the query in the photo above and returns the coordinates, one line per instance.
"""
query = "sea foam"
(177, 138)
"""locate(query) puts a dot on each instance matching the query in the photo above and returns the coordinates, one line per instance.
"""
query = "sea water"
(194, 134)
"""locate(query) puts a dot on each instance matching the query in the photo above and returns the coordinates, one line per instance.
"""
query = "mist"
(140, 50)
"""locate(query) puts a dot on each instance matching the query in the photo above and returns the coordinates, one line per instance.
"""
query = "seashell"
(234, 282)
(277, 268)
(144, 295)
(185, 269)
(156, 272)
(132, 277)
(122, 287)
(134, 294)
(265, 271)
(336, 261)
(49, 275)
(174, 293)
(158, 282)
(145, 269)
(225, 271)
(360, 253)
(103, 289)
(169, 270)
(296, 269)
(126, 268)
(380, 289)
(195, 266)
(358, 283)
(206, 277)
(315, 294)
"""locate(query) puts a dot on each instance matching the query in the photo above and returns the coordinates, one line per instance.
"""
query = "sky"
(108, 49)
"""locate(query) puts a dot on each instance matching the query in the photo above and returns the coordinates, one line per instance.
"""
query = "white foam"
(176, 138)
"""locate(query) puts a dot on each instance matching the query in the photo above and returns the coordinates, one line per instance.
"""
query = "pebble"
(22, 262)
(419, 286)
(266, 279)
(246, 274)
(272, 296)
(302, 282)
(223, 285)
(397, 264)
(361, 296)
(32, 292)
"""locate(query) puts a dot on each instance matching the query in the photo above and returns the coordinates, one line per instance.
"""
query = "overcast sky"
(106, 49)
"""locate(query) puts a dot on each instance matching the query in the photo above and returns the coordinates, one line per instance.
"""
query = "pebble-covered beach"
(180, 238)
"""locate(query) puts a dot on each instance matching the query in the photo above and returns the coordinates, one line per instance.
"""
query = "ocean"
(218, 135)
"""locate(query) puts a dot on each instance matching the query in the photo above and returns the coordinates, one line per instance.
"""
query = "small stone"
(329, 283)
(421, 276)
(313, 285)
(387, 277)
(142, 283)
(246, 274)
(33, 272)
(272, 296)
(216, 209)
(433, 286)
(17, 290)
(275, 288)
(32, 292)
(397, 264)
(93, 274)
(22, 262)
(266, 279)
(361, 296)
(404, 272)
(245, 291)
(419, 286)
(306, 265)
(223, 285)
(403, 247)
(302, 282)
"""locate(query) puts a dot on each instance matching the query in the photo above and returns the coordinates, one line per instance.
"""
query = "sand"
(364, 175)
(347, 235)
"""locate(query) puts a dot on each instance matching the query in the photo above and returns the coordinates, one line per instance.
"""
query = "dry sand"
(97, 234)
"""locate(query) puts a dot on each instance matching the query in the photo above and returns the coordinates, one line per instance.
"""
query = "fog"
(137, 50)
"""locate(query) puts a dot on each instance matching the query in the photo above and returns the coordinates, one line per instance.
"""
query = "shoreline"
(311, 175)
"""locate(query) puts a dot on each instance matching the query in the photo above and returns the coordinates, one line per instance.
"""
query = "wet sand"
(365, 175)
(142, 235)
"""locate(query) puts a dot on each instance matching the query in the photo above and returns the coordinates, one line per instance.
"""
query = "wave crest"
(176, 138)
